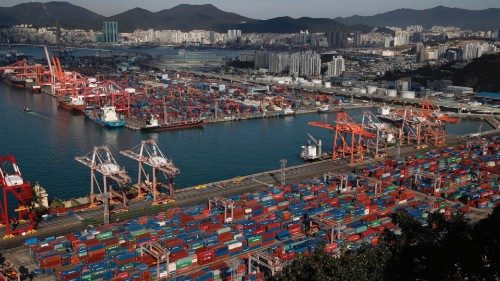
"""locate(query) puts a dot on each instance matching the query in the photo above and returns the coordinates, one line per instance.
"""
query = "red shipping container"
(330, 247)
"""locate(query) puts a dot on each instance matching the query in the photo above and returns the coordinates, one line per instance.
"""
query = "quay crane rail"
(11, 182)
(102, 161)
(149, 153)
(348, 137)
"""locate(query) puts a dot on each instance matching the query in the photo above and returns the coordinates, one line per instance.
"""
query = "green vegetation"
(444, 249)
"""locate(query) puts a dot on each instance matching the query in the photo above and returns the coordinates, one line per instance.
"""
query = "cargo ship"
(15, 81)
(106, 116)
(152, 125)
(386, 116)
(75, 104)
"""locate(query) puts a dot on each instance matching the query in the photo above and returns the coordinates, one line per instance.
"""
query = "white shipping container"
(235, 245)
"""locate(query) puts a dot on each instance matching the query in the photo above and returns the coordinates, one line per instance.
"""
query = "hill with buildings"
(466, 19)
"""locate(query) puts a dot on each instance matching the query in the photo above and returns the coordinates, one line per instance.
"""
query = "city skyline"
(264, 9)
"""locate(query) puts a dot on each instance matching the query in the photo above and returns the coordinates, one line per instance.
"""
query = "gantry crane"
(226, 204)
(25, 69)
(384, 134)
(148, 153)
(101, 160)
(348, 137)
(260, 259)
(11, 182)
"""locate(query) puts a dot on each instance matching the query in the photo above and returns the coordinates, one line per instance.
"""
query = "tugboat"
(26, 109)
(153, 125)
(105, 116)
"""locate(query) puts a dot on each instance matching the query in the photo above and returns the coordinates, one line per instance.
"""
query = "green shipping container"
(361, 229)
(182, 263)
(254, 239)
(104, 235)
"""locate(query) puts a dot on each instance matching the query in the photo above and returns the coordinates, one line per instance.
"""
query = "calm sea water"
(46, 141)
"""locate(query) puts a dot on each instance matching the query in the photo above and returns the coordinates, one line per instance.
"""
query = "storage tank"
(392, 93)
(408, 94)
(362, 91)
(356, 90)
(328, 84)
(381, 91)
(371, 90)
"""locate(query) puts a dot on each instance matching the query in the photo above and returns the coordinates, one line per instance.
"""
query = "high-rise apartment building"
(110, 32)
(336, 66)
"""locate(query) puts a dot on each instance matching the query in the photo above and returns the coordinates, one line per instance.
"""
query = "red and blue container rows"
(283, 221)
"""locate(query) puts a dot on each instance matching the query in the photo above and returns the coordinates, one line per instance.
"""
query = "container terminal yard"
(245, 227)
(224, 232)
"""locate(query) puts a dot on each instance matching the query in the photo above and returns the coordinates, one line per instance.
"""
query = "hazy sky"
(264, 9)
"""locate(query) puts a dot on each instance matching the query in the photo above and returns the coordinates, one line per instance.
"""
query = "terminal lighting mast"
(283, 171)
(148, 153)
(101, 160)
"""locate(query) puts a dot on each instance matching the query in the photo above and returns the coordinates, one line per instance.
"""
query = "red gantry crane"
(148, 153)
(12, 183)
(102, 161)
(348, 137)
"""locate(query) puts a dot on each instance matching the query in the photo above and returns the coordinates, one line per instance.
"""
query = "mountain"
(290, 25)
(481, 74)
(466, 19)
(182, 17)
(46, 14)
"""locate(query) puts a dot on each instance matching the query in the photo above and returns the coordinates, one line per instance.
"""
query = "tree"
(442, 249)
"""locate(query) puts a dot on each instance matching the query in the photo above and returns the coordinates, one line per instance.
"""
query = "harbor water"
(46, 140)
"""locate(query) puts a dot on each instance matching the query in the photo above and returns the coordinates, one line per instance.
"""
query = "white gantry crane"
(148, 153)
(101, 160)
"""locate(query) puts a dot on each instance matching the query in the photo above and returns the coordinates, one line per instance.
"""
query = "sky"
(265, 9)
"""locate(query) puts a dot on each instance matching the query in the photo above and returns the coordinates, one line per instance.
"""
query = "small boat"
(26, 109)
(105, 116)
(324, 109)
(288, 111)
(152, 125)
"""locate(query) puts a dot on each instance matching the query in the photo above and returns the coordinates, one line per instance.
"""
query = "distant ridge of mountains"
(186, 17)
(466, 19)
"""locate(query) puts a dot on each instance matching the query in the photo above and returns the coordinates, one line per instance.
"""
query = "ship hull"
(71, 107)
(110, 124)
(398, 122)
(172, 127)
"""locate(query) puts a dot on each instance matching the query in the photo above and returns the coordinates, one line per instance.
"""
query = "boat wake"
(39, 115)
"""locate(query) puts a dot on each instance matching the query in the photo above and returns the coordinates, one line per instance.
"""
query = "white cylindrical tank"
(363, 91)
(356, 90)
(392, 93)
(381, 91)
(371, 90)
(408, 94)
(328, 84)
